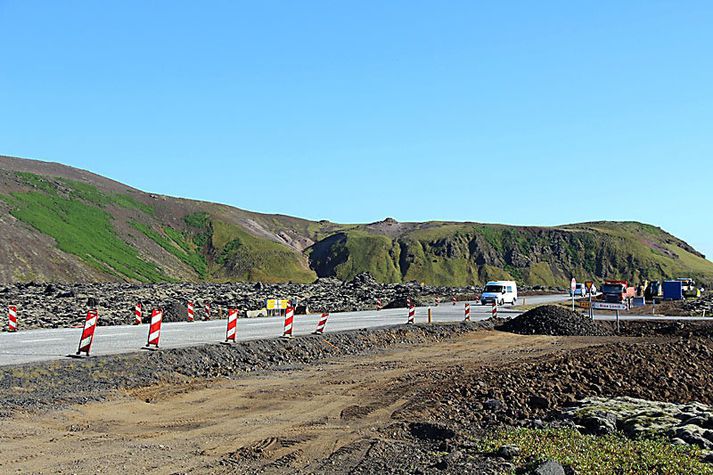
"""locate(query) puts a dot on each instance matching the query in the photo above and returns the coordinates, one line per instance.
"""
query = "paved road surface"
(48, 344)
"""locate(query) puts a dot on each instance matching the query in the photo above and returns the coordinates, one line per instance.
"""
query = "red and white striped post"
(438, 300)
(12, 318)
(453, 299)
(494, 311)
(191, 311)
(207, 311)
(289, 319)
(138, 314)
(467, 313)
(232, 331)
(408, 302)
(90, 324)
(322, 323)
(411, 314)
(379, 305)
(154, 329)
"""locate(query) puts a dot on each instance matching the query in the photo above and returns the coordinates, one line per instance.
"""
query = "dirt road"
(274, 422)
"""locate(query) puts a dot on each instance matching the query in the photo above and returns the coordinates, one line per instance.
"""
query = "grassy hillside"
(83, 226)
(466, 254)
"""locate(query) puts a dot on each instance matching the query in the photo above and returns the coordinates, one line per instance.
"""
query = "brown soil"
(278, 422)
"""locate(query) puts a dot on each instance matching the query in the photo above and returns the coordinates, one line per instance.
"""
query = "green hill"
(64, 224)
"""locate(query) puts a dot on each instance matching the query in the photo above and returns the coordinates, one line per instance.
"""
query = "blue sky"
(515, 112)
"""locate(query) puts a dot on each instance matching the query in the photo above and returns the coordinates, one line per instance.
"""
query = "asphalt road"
(51, 344)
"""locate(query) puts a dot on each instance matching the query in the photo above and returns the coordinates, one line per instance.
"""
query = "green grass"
(83, 191)
(175, 243)
(610, 454)
(83, 230)
(242, 256)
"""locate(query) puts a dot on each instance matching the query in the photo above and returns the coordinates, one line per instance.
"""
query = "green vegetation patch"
(610, 454)
(176, 244)
(245, 257)
(83, 191)
(83, 230)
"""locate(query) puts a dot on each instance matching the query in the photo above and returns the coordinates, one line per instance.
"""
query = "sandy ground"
(273, 422)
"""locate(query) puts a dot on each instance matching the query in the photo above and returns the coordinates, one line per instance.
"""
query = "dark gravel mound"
(685, 329)
(553, 320)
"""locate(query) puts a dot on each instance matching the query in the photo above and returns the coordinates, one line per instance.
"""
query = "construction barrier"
(408, 301)
(154, 329)
(438, 300)
(411, 314)
(494, 311)
(379, 305)
(90, 324)
(207, 311)
(12, 318)
(322, 323)
(467, 313)
(289, 319)
(453, 300)
(232, 330)
(138, 314)
(191, 311)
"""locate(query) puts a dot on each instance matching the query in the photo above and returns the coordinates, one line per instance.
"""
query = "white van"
(499, 291)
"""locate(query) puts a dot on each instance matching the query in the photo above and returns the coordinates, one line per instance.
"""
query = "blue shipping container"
(672, 290)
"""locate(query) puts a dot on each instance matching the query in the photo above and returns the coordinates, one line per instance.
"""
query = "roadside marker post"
(494, 311)
(154, 330)
(453, 300)
(572, 287)
(12, 318)
(232, 331)
(588, 284)
(90, 324)
(379, 305)
(430, 315)
(438, 300)
(289, 320)
(207, 311)
(191, 312)
(411, 314)
(322, 323)
(467, 313)
(138, 314)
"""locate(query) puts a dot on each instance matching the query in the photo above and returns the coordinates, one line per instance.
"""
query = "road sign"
(588, 284)
(573, 284)
(275, 304)
(584, 303)
(608, 306)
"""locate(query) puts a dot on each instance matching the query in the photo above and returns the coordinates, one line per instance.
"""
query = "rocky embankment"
(53, 384)
(683, 424)
(61, 305)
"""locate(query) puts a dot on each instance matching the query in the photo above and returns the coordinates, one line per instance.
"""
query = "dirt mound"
(685, 329)
(553, 320)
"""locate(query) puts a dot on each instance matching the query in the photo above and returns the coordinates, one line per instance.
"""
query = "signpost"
(611, 306)
(588, 284)
(572, 287)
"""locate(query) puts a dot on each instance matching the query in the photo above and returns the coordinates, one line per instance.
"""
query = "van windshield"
(493, 288)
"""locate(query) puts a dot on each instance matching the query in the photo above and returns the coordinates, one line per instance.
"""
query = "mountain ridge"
(68, 224)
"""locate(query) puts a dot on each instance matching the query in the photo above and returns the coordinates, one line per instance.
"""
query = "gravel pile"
(553, 320)
(670, 370)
